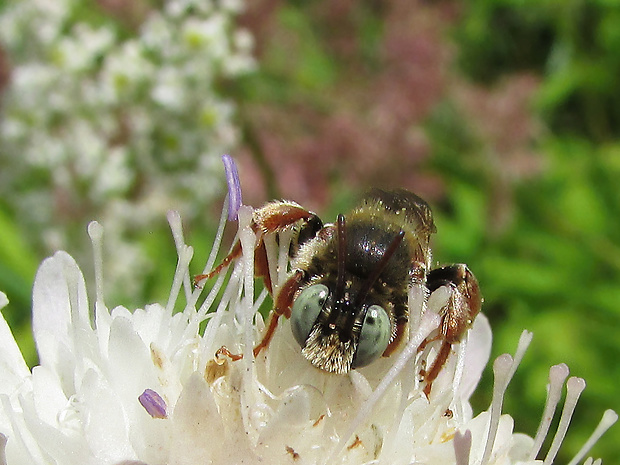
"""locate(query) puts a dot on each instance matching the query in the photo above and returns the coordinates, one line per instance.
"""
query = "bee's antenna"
(379, 268)
(342, 256)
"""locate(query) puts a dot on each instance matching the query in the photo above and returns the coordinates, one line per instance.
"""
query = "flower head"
(158, 385)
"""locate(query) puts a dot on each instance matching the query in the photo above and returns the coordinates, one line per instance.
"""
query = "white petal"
(65, 448)
(477, 355)
(105, 423)
(199, 433)
(12, 365)
(521, 446)
(479, 427)
(49, 398)
(59, 306)
(130, 360)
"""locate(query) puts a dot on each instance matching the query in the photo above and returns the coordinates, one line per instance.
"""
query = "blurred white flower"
(97, 113)
(144, 387)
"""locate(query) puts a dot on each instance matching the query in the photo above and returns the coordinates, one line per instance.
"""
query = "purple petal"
(234, 187)
(153, 403)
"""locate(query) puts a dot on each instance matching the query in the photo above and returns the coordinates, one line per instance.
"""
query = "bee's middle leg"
(457, 315)
(283, 304)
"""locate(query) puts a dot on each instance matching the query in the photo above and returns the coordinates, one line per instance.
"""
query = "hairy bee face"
(345, 316)
(336, 335)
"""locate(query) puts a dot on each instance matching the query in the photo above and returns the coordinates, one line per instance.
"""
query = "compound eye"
(374, 337)
(306, 310)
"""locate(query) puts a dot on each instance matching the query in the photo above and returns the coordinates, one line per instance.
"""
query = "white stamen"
(462, 447)
(234, 186)
(557, 376)
(524, 342)
(215, 248)
(591, 461)
(199, 315)
(609, 418)
(185, 254)
(249, 397)
(95, 232)
(180, 275)
(417, 299)
(259, 301)
(176, 226)
(501, 371)
(460, 365)
(248, 240)
(225, 301)
(504, 369)
(208, 302)
(418, 296)
(574, 388)
(206, 305)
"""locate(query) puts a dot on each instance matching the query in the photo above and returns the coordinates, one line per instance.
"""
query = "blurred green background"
(503, 114)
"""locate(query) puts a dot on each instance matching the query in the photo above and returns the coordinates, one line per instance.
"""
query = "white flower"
(144, 387)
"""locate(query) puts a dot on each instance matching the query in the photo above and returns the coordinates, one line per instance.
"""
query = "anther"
(153, 404)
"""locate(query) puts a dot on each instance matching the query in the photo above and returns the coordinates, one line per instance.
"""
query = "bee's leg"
(457, 315)
(276, 216)
(272, 218)
(400, 331)
(234, 253)
(261, 266)
(283, 304)
(438, 363)
(223, 351)
(464, 302)
(401, 312)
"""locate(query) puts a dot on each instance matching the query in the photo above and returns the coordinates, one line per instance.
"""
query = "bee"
(347, 292)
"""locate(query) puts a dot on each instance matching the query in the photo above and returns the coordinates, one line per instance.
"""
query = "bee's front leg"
(283, 304)
(457, 316)
(271, 218)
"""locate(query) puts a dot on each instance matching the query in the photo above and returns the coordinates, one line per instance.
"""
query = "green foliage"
(555, 272)
(17, 269)
(573, 44)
